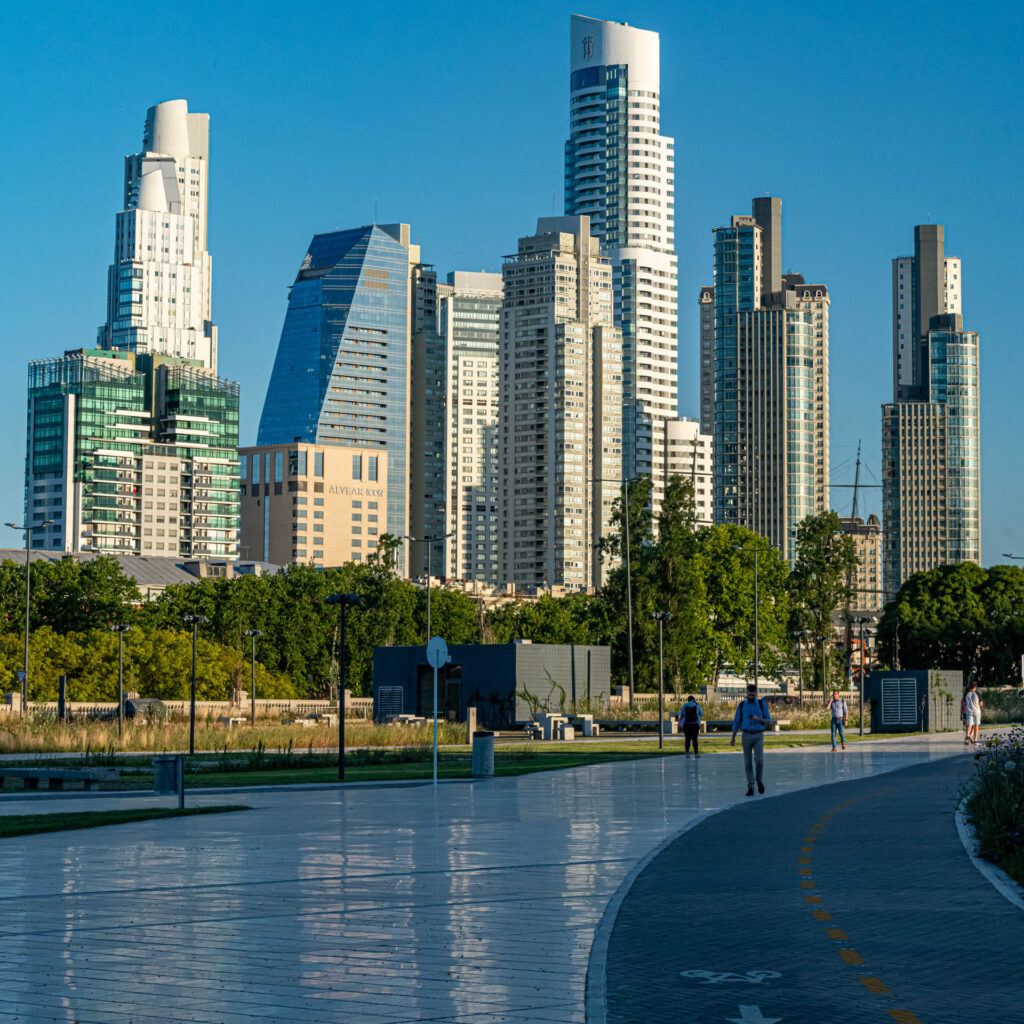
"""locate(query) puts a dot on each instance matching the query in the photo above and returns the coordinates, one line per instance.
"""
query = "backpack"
(963, 706)
(760, 704)
(690, 714)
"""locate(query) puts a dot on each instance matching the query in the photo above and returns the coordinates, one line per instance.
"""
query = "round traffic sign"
(437, 652)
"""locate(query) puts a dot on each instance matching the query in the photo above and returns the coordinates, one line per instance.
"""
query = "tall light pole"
(195, 621)
(757, 603)
(430, 542)
(27, 530)
(661, 618)
(824, 670)
(860, 622)
(798, 636)
(252, 634)
(344, 601)
(120, 629)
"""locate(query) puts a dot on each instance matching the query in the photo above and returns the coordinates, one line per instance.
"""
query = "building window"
(243, 467)
(357, 467)
(256, 469)
(318, 463)
(278, 467)
(372, 468)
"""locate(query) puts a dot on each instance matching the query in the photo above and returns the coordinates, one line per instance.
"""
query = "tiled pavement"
(474, 905)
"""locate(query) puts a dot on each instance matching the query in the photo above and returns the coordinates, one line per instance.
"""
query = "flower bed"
(995, 803)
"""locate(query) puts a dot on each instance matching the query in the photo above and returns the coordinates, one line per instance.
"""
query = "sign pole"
(437, 655)
(435, 725)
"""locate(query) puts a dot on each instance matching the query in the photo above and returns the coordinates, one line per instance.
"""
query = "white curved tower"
(619, 172)
(158, 288)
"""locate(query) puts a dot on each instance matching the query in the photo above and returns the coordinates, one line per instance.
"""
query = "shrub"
(995, 802)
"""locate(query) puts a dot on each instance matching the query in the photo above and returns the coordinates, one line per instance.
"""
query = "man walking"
(839, 714)
(972, 706)
(689, 719)
(752, 718)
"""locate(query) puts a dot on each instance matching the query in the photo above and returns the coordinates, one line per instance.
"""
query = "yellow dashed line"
(813, 899)
(807, 849)
(835, 933)
(805, 884)
(804, 871)
(851, 956)
(803, 860)
(904, 1017)
(874, 985)
(822, 915)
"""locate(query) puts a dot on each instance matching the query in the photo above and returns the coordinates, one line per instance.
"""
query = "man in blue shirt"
(752, 718)
(689, 718)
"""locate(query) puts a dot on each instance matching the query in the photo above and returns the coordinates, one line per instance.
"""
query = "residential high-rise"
(931, 431)
(342, 371)
(619, 172)
(560, 413)
(771, 382)
(867, 545)
(307, 503)
(158, 287)
(469, 305)
(132, 454)
(706, 306)
(688, 454)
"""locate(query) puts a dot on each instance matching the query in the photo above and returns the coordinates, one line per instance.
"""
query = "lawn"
(29, 824)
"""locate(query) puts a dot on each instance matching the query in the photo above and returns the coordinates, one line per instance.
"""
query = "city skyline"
(248, 303)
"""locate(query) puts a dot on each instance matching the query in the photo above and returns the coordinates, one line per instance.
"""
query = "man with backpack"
(689, 718)
(752, 718)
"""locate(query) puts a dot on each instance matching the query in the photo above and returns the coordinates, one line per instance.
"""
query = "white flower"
(1010, 766)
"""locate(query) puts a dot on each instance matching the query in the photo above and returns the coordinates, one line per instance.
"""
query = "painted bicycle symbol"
(728, 977)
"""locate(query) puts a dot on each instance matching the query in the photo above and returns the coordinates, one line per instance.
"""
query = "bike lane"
(853, 902)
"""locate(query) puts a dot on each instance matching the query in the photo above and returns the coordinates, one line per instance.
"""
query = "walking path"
(477, 904)
(852, 902)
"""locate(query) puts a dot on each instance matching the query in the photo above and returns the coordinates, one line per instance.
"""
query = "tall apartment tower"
(931, 431)
(469, 306)
(560, 413)
(158, 287)
(771, 382)
(619, 172)
(688, 454)
(342, 371)
(706, 306)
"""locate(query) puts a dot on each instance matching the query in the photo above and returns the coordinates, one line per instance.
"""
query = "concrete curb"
(1000, 880)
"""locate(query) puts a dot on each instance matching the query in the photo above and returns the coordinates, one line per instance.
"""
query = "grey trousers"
(753, 756)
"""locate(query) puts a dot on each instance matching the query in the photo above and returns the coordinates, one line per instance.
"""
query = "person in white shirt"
(752, 717)
(972, 706)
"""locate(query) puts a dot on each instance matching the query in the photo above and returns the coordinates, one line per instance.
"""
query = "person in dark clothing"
(689, 719)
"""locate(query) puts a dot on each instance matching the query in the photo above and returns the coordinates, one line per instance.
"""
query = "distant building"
(771, 382)
(343, 366)
(469, 306)
(688, 454)
(867, 543)
(931, 443)
(132, 454)
(307, 503)
(620, 174)
(706, 307)
(159, 286)
(560, 436)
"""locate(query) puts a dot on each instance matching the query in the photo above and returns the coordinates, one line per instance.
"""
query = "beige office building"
(867, 544)
(560, 410)
(688, 454)
(309, 503)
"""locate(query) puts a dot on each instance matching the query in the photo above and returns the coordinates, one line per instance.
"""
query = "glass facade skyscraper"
(342, 370)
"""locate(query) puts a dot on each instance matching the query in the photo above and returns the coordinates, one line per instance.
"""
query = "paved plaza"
(478, 904)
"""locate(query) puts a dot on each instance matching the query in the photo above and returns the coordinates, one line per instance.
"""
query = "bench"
(56, 777)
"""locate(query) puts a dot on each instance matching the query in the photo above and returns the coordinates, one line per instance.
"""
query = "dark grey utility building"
(922, 700)
(506, 683)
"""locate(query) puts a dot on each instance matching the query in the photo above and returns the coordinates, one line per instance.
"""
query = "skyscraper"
(342, 371)
(931, 437)
(469, 305)
(560, 418)
(132, 447)
(771, 382)
(619, 173)
(158, 287)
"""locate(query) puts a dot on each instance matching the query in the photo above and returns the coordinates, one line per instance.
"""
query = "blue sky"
(866, 118)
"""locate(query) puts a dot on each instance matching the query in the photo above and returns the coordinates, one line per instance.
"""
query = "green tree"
(821, 580)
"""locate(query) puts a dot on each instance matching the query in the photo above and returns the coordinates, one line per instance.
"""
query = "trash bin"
(483, 753)
(165, 774)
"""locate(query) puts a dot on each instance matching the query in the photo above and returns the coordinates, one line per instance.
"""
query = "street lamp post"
(798, 635)
(824, 670)
(757, 603)
(344, 601)
(252, 634)
(661, 618)
(195, 621)
(429, 541)
(27, 530)
(120, 630)
(860, 623)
